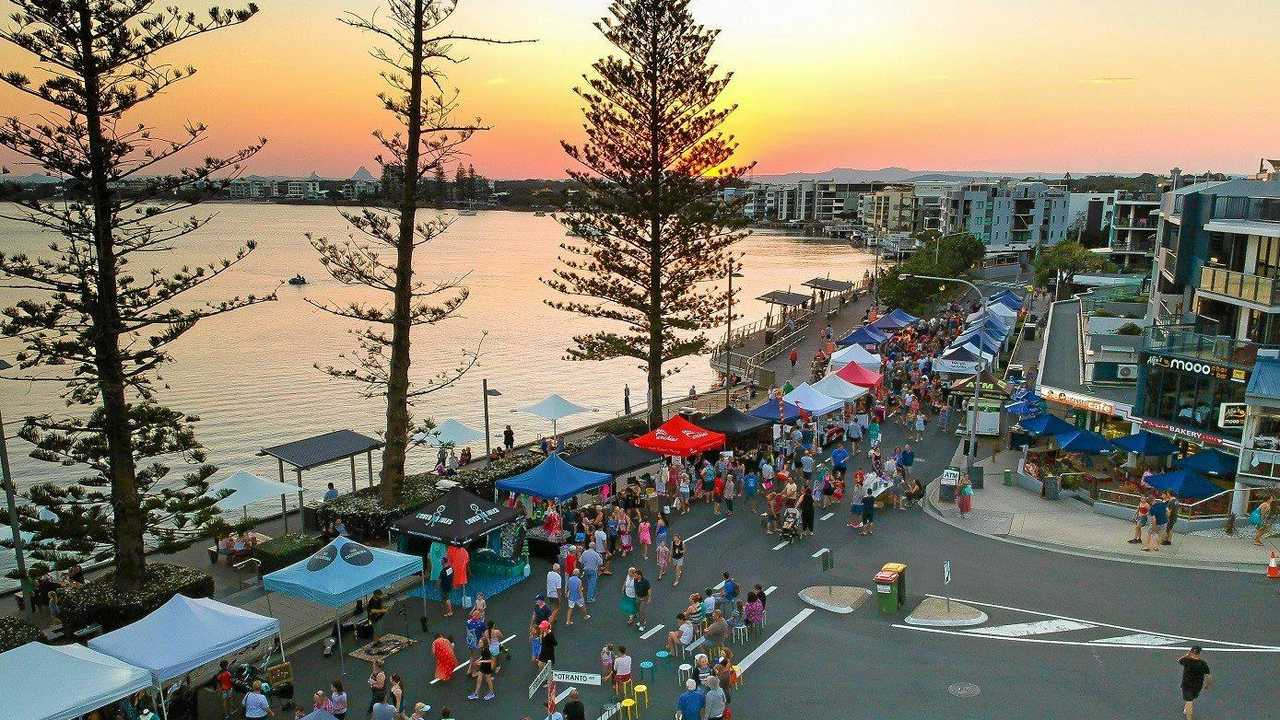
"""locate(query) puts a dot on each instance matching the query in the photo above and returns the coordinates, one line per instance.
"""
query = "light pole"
(977, 373)
(728, 338)
(484, 384)
(10, 498)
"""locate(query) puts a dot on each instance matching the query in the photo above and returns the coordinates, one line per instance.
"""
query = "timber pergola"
(323, 449)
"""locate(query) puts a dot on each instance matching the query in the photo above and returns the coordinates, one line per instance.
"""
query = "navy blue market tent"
(895, 320)
(865, 335)
(1083, 441)
(1210, 461)
(992, 325)
(1184, 484)
(1046, 424)
(1008, 302)
(554, 479)
(769, 411)
(1146, 443)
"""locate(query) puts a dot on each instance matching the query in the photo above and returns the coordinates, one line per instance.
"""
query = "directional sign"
(543, 676)
(576, 678)
(946, 572)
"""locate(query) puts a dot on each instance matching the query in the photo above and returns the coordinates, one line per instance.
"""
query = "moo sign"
(1197, 367)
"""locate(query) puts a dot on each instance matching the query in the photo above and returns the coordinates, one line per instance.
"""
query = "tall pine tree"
(93, 321)
(654, 236)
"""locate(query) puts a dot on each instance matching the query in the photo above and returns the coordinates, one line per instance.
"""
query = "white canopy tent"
(854, 354)
(812, 401)
(449, 433)
(45, 682)
(837, 387)
(246, 489)
(553, 408)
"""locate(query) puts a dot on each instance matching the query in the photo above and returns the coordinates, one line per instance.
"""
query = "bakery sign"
(1084, 402)
(1195, 436)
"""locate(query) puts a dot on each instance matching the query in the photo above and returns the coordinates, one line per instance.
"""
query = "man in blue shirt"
(905, 461)
(690, 702)
(840, 459)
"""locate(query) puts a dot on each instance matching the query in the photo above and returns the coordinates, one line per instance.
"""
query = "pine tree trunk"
(655, 234)
(397, 437)
(126, 506)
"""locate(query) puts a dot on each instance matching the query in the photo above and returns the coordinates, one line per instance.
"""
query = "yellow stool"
(738, 672)
(641, 690)
(629, 707)
(624, 688)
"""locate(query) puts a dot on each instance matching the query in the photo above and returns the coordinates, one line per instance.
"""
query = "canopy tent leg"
(284, 512)
(269, 611)
(280, 637)
(342, 656)
(368, 456)
(163, 703)
(299, 472)
(353, 473)
(424, 599)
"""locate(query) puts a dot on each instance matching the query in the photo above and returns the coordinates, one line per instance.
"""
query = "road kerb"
(933, 612)
(840, 599)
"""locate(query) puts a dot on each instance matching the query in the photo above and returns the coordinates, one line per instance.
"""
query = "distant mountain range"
(32, 179)
(900, 174)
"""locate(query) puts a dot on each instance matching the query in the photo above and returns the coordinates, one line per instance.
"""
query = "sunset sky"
(1079, 85)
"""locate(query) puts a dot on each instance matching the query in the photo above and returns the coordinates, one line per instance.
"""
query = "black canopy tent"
(457, 518)
(733, 422)
(613, 455)
(323, 449)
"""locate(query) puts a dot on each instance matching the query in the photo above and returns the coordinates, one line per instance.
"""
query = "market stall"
(46, 682)
(895, 320)
(857, 375)
(854, 353)
(680, 438)
(837, 387)
(784, 413)
(735, 424)
(616, 457)
(555, 481)
(812, 401)
(867, 336)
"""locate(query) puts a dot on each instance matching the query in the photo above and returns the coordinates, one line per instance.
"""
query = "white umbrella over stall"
(449, 433)
(246, 489)
(553, 408)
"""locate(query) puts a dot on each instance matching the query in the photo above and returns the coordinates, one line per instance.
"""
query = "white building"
(1009, 216)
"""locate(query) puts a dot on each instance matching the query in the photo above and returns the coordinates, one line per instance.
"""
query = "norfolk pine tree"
(654, 235)
(102, 326)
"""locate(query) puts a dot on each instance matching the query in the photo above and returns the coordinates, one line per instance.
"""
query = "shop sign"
(1198, 368)
(1084, 402)
(1195, 436)
(1231, 415)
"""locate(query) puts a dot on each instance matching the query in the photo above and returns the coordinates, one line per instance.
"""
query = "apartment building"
(1008, 216)
(802, 201)
(252, 187)
(889, 210)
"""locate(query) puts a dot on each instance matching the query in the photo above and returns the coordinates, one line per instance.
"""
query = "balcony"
(1183, 340)
(1241, 286)
(1169, 262)
(1261, 463)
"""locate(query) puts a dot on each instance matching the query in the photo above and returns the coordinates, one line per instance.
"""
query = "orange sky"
(1078, 85)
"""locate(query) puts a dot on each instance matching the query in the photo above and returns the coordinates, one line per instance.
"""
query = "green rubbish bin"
(901, 570)
(1008, 477)
(887, 592)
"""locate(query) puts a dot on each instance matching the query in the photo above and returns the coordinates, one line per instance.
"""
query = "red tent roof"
(679, 437)
(856, 374)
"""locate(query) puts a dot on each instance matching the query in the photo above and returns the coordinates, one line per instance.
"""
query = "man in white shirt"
(554, 584)
(681, 637)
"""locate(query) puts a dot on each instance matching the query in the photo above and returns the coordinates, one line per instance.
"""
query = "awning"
(865, 335)
(554, 479)
(321, 449)
(829, 285)
(245, 489)
(457, 518)
(784, 298)
(680, 438)
(1083, 441)
(342, 572)
(613, 455)
(733, 422)
(47, 682)
(1210, 461)
(771, 411)
(1265, 381)
(1046, 424)
(858, 375)
(813, 401)
(837, 387)
(184, 634)
(1146, 443)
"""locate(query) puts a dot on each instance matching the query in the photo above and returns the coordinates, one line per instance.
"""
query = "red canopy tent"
(855, 374)
(679, 437)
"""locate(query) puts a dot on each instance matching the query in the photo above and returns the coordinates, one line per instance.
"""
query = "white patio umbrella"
(449, 433)
(553, 408)
(247, 489)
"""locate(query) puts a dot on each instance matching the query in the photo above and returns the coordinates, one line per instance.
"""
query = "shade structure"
(962, 360)
(1210, 461)
(858, 375)
(1083, 441)
(769, 410)
(680, 438)
(1046, 424)
(812, 401)
(342, 572)
(1010, 302)
(991, 325)
(322, 449)
(1006, 313)
(554, 479)
(45, 682)
(184, 634)
(733, 423)
(457, 518)
(612, 455)
(247, 489)
(981, 341)
(554, 408)
(865, 335)
(854, 353)
(1184, 483)
(895, 320)
(837, 387)
(1146, 443)
(1008, 295)
(449, 433)
(1026, 408)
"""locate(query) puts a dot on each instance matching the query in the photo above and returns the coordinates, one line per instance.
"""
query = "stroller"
(790, 528)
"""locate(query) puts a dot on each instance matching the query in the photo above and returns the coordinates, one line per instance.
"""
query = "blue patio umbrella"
(1031, 405)
(1211, 461)
(1083, 441)
(1184, 483)
(1146, 443)
(1047, 424)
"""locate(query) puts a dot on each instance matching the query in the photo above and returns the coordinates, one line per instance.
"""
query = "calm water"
(249, 375)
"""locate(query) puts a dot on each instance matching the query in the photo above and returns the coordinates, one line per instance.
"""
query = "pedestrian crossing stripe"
(1039, 627)
(1140, 639)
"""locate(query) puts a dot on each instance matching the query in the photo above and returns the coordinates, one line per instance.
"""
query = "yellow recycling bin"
(901, 570)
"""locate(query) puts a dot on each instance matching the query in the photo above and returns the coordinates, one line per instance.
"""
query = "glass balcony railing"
(1182, 339)
(1242, 286)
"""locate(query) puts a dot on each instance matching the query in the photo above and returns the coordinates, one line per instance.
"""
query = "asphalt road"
(865, 665)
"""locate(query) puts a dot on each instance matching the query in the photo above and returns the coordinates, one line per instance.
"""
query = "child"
(624, 534)
(606, 663)
(684, 493)
(480, 605)
(535, 641)
(663, 554)
(646, 537)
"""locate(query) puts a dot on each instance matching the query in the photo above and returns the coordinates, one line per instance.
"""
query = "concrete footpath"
(1069, 525)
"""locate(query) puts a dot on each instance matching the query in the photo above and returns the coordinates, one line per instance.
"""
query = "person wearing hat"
(547, 652)
(420, 711)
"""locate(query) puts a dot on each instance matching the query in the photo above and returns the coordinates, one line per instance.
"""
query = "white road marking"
(780, 545)
(773, 639)
(650, 632)
(828, 516)
(1094, 644)
(712, 525)
(1187, 638)
(462, 665)
(1039, 627)
(1140, 639)
(820, 552)
(769, 590)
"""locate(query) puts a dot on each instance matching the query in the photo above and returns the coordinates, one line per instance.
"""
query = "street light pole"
(728, 339)
(10, 497)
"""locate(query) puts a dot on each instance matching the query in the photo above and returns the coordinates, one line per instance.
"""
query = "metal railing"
(1168, 261)
(1203, 509)
(1182, 339)
(1243, 286)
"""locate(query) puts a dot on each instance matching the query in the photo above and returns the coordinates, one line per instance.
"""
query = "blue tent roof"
(1184, 483)
(1008, 299)
(1146, 443)
(980, 339)
(1030, 406)
(1046, 424)
(554, 479)
(1265, 381)
(769, 411)
(1210, 461)
(342, 572)
(45, 682)
(895, 320)
(1083, 441)
(992, 325)
(184, 634)
(865, 335)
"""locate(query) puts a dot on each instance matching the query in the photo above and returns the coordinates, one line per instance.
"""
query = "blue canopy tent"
(554, 479)
(769, 411)
(895, 320)
(1184, 483)
(992, 326)
(1146, 443)
(1214, 462)
(865, 335)
(1008, 301)
(341, 573)
(46, 682)
(983, 341)
(1046, 424)
(1083, 441)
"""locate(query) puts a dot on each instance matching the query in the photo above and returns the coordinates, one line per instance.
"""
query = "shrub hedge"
(98, 601)
(285, 550)
(16, 632)
(624, 427)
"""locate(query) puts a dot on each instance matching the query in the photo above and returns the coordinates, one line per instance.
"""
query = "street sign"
(543, 676)
(946, 572)
(576, 678)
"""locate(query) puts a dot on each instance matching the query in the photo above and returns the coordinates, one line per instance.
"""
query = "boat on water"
(297, 280)
(467, 211)
(539, 213)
